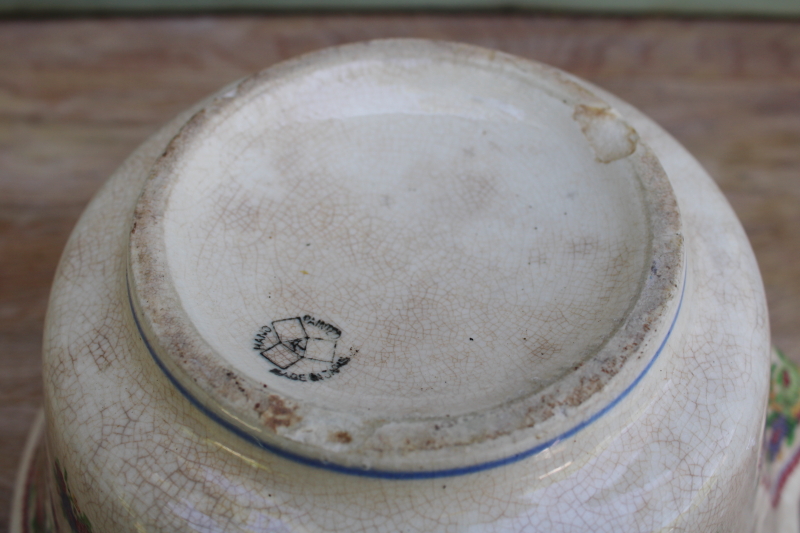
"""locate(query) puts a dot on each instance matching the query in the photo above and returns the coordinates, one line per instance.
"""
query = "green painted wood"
(696, 7)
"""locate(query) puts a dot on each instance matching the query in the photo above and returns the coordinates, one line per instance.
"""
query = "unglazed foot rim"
(204, 266)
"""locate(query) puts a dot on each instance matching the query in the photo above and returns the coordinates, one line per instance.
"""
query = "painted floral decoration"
(784, 405)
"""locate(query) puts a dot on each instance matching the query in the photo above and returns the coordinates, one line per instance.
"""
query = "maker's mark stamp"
(304, 344)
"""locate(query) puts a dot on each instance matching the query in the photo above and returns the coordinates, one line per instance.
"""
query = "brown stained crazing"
(610, 138)
(278, 413)
(101, 347)
(586, 387)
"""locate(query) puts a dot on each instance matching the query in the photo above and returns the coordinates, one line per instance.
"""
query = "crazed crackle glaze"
(456, 249)
(153, 434)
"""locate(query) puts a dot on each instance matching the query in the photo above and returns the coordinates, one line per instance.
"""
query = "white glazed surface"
(491, 278)
(679, 453)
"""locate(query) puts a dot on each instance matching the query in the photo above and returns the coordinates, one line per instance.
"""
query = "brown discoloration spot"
(586, 112)
(279, 413)
(588, 386)
(342, 437)
(609, 135)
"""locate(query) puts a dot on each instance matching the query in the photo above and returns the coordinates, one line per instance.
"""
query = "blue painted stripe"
(390, 474)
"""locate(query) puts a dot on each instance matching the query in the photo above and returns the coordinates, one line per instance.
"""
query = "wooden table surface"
(78, 95)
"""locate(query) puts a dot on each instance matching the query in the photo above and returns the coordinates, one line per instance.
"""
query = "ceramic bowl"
(408, 286)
